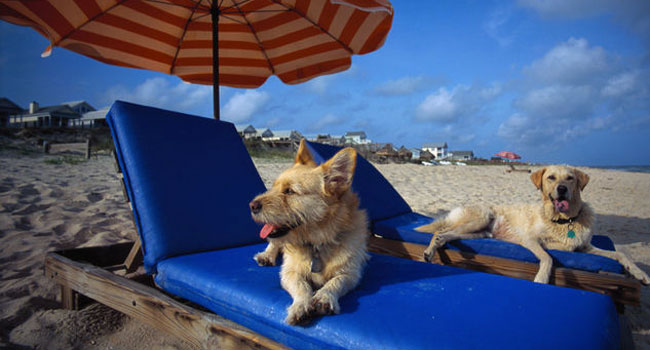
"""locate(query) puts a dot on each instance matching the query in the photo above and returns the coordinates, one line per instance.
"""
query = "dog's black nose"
(256, 206)
(561, 190)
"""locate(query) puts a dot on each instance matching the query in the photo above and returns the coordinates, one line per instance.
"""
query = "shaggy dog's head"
(305, 194)
(560, 187)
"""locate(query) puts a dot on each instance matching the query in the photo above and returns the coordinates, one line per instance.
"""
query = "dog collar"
(569, 220)
(570, 233)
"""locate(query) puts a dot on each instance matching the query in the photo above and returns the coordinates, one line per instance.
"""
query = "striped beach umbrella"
(508, 155)
(296, 40)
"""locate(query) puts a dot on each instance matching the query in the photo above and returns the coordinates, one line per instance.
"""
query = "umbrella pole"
(215, 59)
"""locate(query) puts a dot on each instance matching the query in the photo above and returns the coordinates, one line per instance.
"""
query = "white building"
(438, 149)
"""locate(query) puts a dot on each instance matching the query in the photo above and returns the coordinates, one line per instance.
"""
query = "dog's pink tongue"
(561, 206)
(266, 230)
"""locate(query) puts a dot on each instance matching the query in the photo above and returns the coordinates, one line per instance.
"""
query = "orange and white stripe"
(296, 40)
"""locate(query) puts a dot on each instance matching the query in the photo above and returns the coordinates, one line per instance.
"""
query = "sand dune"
(52, 205)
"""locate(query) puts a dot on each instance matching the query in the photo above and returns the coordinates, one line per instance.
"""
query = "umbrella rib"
(259, 43)
(180, 41)
(346, 47)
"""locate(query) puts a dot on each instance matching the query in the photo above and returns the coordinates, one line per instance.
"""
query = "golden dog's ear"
(339, 171)
(583, 179)
(537, 177)
(303, 156)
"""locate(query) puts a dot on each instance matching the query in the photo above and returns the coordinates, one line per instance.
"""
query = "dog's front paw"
(299, 313)
(429, 253)
(324, 303)
(265, 259)
(541, 278)
(639, 275)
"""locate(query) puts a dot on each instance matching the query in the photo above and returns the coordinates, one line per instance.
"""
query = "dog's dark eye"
(288, 191)
(569, 178)
(552, 178)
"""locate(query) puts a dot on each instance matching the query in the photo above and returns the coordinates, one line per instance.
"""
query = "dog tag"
(571, 234)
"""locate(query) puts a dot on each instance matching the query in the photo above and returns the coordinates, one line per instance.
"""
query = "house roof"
(62, 110)
(462, 153)
(245, 128)
(435, 145)
(285, 133)
(9, 106)
(74, 104)
(95, 115)
(356, 133)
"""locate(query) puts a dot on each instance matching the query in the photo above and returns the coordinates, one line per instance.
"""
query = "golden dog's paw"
(299, 313)
(429, 253)
(541, 278)
(639, 275)
(325, 304)
(264, 259)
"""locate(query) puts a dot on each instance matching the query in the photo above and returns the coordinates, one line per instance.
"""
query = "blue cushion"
(377, 196)
(189, 179)
(400, 304)
(402, 228)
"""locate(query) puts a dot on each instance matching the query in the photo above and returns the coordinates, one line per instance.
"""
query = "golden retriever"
(562, 221)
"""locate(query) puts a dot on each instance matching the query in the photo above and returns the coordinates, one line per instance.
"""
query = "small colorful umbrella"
(296, 40)
(508, 155)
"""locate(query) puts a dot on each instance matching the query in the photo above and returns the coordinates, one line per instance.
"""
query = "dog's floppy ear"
(583, 179)
(303, 156)
(537, 177)
(339, 170)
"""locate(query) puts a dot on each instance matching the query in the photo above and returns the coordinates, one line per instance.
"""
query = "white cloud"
(402, 86)
(495, 25)
(633, 14)
(160, 92)
(439, 106)
(621, 84)
(325, 122)
(448, 106)
(570, 62)
(556, 102)
(242, 106)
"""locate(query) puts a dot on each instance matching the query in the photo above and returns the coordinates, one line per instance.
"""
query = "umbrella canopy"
(508, 155)
(297, 40)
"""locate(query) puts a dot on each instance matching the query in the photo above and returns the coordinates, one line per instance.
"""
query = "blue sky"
(557, 81)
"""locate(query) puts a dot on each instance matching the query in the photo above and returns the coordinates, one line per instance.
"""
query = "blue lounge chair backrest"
(377, 195)
(189, 179)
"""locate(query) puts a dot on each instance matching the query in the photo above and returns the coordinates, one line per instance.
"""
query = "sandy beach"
(47, 204)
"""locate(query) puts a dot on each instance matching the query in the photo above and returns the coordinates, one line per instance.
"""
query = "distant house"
(356, 138)
(7, 108)
(426, 156)
(283, 135)
(80, 107)
(262, 134)
(438, 149)
(404, 153)
(246, 131)
(46, 117)
(92, 119)
(461, 155)
(388, 151)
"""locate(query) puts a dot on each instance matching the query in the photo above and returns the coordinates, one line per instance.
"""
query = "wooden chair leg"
(69, 298)
(135, 257)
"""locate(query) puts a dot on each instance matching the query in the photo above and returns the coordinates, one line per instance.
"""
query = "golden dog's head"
(561, 187)
(305, 194)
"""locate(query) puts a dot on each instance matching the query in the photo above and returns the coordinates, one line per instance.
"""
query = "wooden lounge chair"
(513, 169)
(394, 222)
(189, 180)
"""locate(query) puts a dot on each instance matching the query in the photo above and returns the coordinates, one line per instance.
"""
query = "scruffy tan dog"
(312, 214)
(563, 221)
